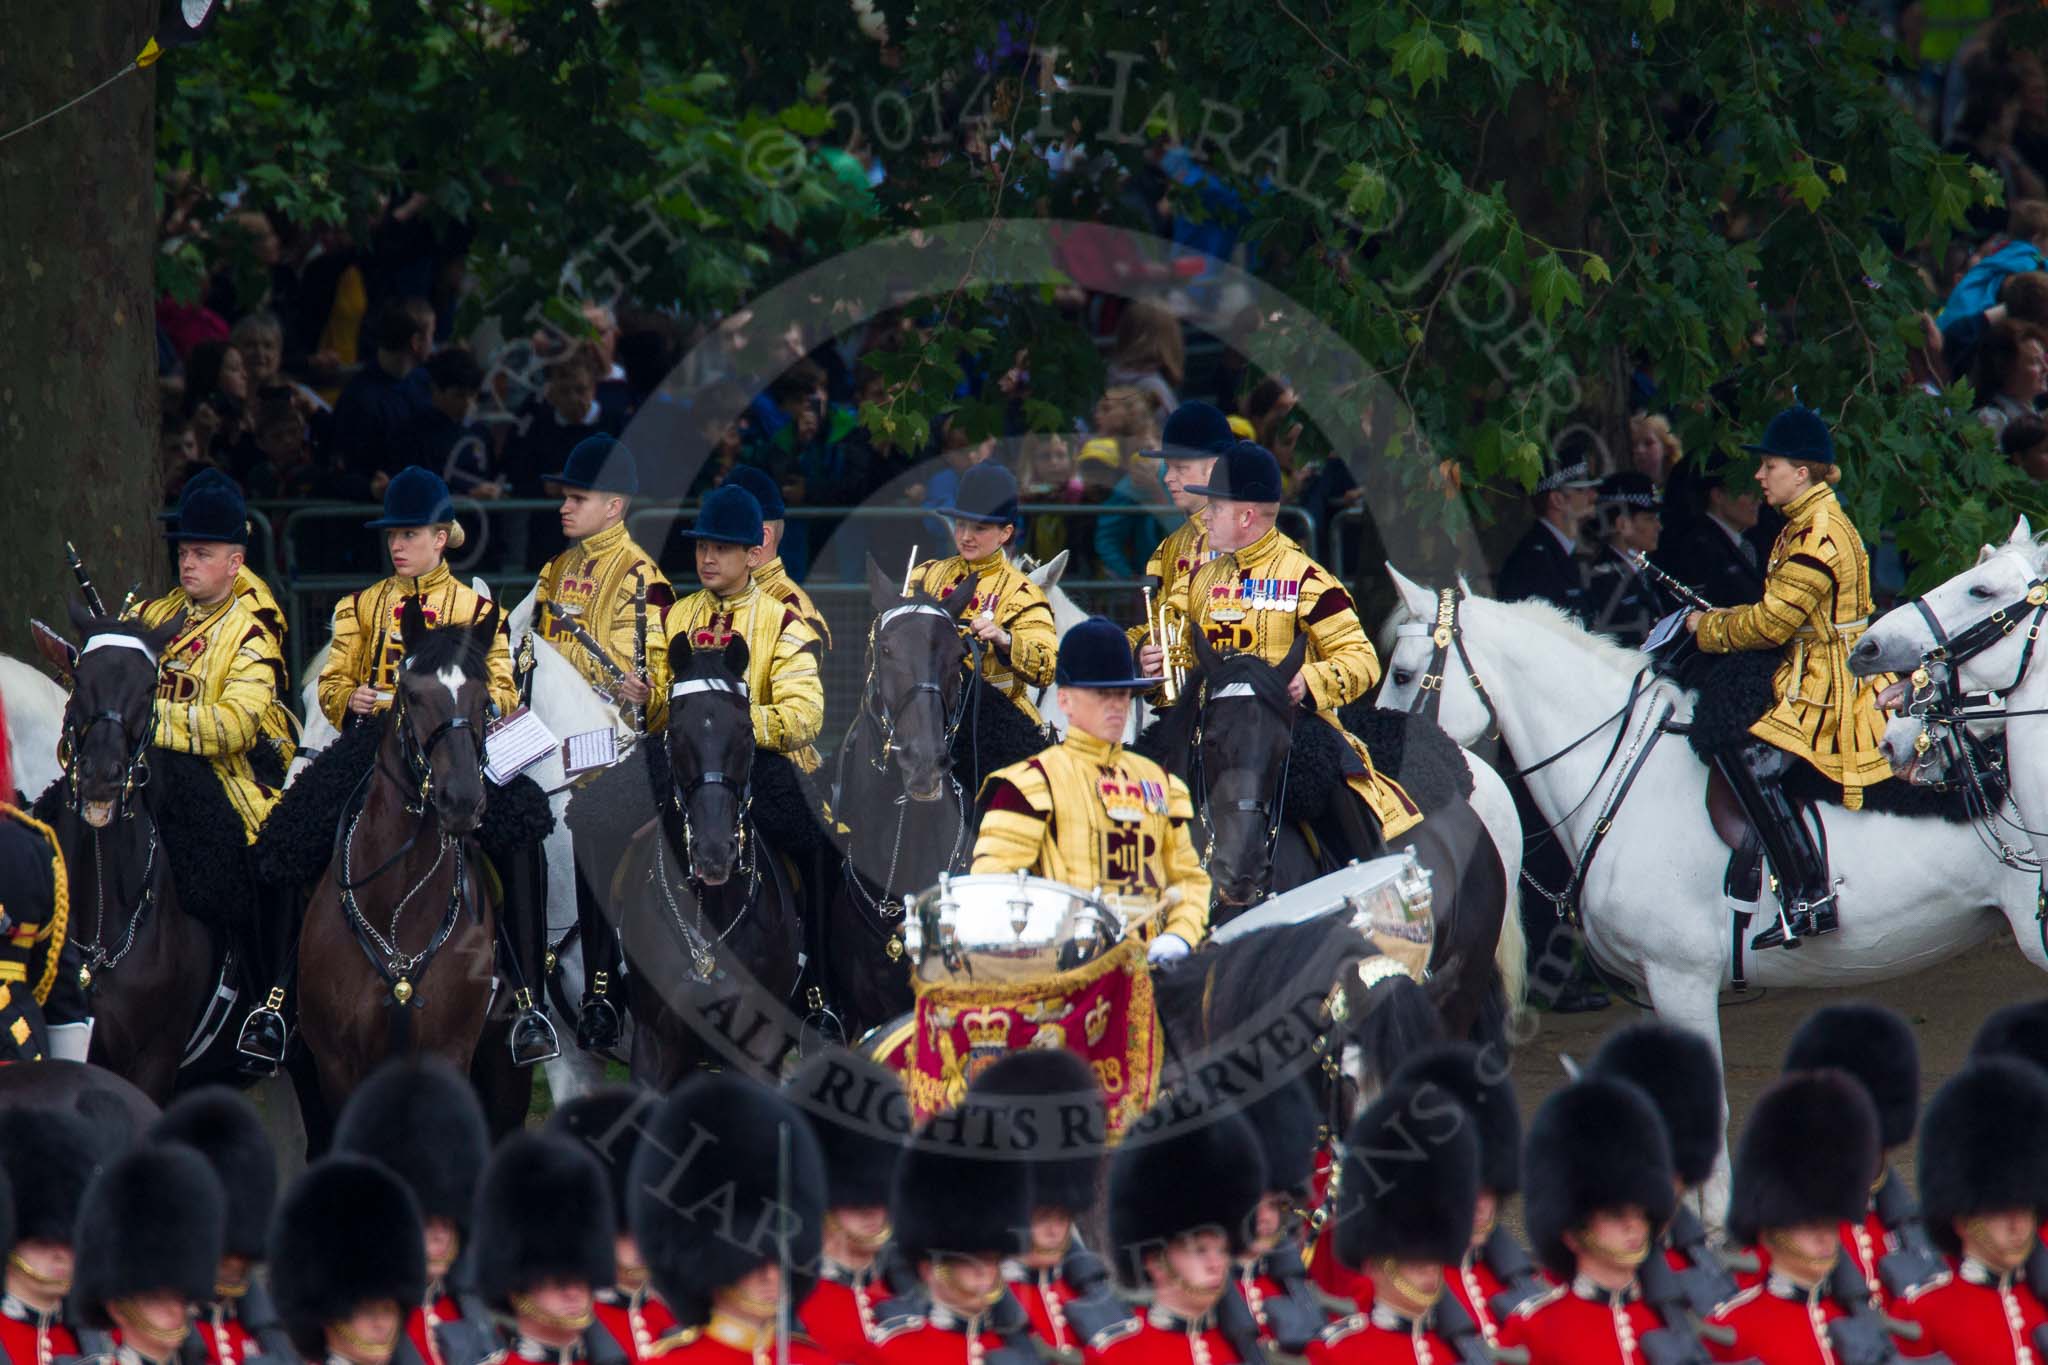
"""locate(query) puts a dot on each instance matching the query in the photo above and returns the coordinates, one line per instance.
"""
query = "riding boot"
(265, 1033)
(597, 1017)
(533, 1037)
(1755, 773)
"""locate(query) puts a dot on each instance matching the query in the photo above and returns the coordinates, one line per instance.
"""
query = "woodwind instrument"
(640, 647)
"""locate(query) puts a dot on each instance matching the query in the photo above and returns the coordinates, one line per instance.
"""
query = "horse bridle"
(742, 787)
(1446, 636)
(1272, 807)
(1940, 700)
(418, 754)
(881, 710)
(135, 768)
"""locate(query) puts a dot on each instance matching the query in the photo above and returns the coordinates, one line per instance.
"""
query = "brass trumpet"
(1167, 634)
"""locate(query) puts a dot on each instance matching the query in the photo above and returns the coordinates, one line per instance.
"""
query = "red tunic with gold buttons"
(636, 1318)
(1582, 1324)
(421, 1322)
(843, 1311)
(1160, 1337)
(219, 1329)
(1974, 1316)
(1472, 1283)
(1045, 1294)
(32, 1338)
(725, 1341)
(1777, 1322)
(937, 1336)
(1381, 1337)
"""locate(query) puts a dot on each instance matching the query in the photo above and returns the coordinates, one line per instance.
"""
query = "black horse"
(705, 908)
(1242, 742)
(928, 732)
(148, 965)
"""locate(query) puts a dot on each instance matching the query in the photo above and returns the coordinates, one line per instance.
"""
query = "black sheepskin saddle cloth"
(1412, 750)
(605, 812)
(209, 862)
(1735, 693)
(297, 841)
(993, 734)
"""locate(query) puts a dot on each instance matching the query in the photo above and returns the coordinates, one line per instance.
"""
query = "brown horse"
(148, 966)
(396, 953)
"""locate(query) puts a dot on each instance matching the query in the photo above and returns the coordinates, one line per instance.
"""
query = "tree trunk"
(78, 399)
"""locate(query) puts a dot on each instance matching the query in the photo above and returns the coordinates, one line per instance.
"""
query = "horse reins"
(134, 777)
(1273, 808)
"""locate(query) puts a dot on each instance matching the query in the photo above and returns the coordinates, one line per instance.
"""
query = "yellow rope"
(60, 901)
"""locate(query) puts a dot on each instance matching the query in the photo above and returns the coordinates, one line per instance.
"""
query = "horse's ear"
(58, 652)
(1984, 553)
(678, 653)
(1047, 575)
(1296, 652)
(412, 623)
(881, 592)
(2022, 534)
(82, 619)
(957, 600)
(486, 625)
(160, 638)
(1420, 601)
(736, 655)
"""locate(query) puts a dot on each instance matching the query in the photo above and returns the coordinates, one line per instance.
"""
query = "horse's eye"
(1403, 676)
(1980, 592)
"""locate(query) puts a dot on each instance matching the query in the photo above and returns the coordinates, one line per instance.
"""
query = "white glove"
(70, 1042)
(1167, 948)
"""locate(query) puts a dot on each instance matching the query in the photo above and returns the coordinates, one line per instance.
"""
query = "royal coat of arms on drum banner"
(1102, 1011)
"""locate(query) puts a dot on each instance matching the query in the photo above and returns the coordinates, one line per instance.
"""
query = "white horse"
(35, 721)
(1913, 892)
(2000, 581)
(568, 706)
(1065, 616)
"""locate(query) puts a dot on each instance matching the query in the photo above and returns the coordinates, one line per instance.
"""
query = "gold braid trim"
(60, 900)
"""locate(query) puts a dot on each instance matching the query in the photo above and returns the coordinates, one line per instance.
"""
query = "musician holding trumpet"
(1194, 435)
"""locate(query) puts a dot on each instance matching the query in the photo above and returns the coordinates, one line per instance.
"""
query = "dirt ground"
(1945, 1005)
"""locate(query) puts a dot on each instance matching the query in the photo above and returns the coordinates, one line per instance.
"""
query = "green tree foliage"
(1502, 206)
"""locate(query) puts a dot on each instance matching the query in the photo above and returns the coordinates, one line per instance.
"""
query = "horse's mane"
(1537, 614)
(1257, 976)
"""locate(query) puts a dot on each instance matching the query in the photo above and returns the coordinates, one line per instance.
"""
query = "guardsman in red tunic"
(348, 1262)
(1404, 1213)
(237, 1324)
(1054, 1109)
(544, 1247)
(422, 1120)
(1877, 1047)
(609, 1122)
(149, 1241)
(960, 1205)
(708, 1205)
(48, 1157)
(1184, 1190)
(1983, 1178)
(1681, 1073)
(1600, 1183)
(1801, 1171)
(1273, 1279)
(1493, 1273)
(860, 1115)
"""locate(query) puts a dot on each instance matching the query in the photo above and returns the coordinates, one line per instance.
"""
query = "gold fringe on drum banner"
(1101, 1010)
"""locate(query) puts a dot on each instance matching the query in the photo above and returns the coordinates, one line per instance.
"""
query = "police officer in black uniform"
(1545, 563)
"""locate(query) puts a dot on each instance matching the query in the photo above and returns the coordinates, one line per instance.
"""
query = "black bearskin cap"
(959, 1187)
(421, 1118)
(1596, 1144)
(1976, 1155)
(1411, 1179)
(860, 1115)
(706, 1207)
(347, 1233)
(1877, 1047)
(543, 1211)
(2015, 1031)
(1054, 1107)
(222, 1126)
(1677, 1069)
(150, 1223)
(1178, 1171)
(1478, 1080)
(1807, 1155)
(609, 1122)
(50, 1156)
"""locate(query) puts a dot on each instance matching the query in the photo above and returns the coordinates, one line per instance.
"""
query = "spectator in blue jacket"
(2026, 231)
(1125, 539)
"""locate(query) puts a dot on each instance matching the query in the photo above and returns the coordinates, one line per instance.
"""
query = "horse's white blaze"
(1913, 892)
(452, 678)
